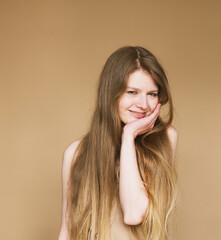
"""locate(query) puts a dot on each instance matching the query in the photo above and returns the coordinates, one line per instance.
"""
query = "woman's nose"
(142, 102)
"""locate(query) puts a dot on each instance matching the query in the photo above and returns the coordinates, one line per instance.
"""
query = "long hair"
(93, 183)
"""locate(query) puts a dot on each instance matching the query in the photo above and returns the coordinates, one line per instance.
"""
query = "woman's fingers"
(153, 116)
(155, 113)
(144, 124)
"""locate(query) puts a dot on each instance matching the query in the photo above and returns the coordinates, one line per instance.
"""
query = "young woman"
(119, 181)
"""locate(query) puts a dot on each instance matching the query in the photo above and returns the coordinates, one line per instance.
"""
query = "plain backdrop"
(51, 55)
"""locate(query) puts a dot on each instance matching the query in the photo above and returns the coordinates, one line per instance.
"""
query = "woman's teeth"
(138, 114)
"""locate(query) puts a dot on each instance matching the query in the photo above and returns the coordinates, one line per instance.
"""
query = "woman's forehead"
(141, 80)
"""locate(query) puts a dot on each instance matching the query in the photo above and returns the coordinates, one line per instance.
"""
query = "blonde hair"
(93, 183)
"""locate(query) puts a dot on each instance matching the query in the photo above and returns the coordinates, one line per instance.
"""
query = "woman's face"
(140, 97)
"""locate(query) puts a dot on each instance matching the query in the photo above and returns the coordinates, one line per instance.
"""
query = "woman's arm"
(66, 166)
(133, 195)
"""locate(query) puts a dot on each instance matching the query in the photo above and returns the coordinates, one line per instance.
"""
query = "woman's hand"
(142, 125)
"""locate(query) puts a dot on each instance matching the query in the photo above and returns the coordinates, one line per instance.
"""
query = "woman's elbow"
(135, 216)
(133, 220)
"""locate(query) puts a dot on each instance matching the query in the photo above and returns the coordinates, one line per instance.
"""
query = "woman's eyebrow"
(155, 90)
(137, 89)
(133, 88)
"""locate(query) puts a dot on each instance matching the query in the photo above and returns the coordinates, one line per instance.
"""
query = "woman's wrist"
(128, 136)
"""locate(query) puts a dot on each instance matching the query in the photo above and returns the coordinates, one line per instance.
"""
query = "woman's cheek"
(154, 103)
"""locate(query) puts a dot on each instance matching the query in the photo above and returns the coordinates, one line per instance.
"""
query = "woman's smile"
(138, 114)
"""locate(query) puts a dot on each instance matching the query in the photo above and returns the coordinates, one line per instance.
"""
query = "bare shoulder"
(173, 137)
(71, 149)
(172, 134)
(68, 155)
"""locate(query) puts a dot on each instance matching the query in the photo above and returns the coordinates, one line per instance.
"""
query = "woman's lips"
(138, 114)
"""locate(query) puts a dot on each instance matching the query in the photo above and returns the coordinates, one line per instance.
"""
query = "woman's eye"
(132, 92)
(153, 94)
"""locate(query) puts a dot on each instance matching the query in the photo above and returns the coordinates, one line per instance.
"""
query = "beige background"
(51, 54)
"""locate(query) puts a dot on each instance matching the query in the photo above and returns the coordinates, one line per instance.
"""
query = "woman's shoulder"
(71, 149)
(172, 133)
(173, 138)
(68, 154)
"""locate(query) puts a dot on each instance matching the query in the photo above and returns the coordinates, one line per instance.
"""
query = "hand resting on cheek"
(142, 125)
